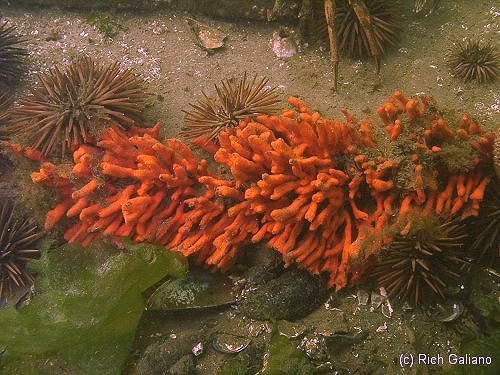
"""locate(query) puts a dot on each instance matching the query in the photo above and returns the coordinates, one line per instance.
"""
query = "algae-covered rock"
(185, 365)
(167, 356)
(238, 365)
(292, 295)
(198, 290)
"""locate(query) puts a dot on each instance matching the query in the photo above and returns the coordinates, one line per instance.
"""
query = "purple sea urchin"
(420, 265)
(4, 106)
(486, 227)
(17, 240)
(474, 62)
(236, 100)
(67, 107)
(11, 54)
(383, 22)
(5, 101)
(384, 17)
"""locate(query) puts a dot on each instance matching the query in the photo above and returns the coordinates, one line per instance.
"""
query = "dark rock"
(292, 295)
(166, 355)
(266, 264)
(185, 365)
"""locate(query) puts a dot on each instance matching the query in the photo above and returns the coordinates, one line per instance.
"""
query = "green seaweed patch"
(238, 365)
(88, 307)
(106, 24)
(284, 358)
(479, 347)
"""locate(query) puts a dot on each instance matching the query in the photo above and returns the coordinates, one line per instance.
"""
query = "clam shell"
(206, 37)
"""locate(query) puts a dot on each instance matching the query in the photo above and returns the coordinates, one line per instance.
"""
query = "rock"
(198, 291)
(166, 356)
(292, 295)
(266, 264)
(284, 43)
(185, 365)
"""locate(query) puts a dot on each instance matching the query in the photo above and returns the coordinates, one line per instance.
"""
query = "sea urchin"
(11, 54)
(474, 62)
(17, 240)
(486, 227)
(419, 265)
(4, 106)
(67, 107)
(236, 100)
(5, 101)
(384, 24)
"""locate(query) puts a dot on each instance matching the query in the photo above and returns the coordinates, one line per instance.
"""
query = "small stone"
(362, 297)
(283, 43)
(332, 303)
(376, 300)
(382, 328)
(198, 349)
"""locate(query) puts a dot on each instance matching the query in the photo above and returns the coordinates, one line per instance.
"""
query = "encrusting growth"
(325, 194)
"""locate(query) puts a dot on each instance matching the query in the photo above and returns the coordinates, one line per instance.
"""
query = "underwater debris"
(325, 194)
(208, 38)
(17, 241)
(475, 61)
(67, 107)
(236, 100)
(12, 54)
(419, 265)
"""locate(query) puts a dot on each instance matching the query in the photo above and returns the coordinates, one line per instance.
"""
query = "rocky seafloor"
(214, 324)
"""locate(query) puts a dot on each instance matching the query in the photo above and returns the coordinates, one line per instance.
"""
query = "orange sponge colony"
(319, 191)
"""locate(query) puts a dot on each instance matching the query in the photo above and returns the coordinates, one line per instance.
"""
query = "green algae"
(88, 307)
(285, 358)
(106, 24)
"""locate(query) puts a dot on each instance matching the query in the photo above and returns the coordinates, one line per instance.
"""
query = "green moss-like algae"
(89, 305)
(284, 357)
